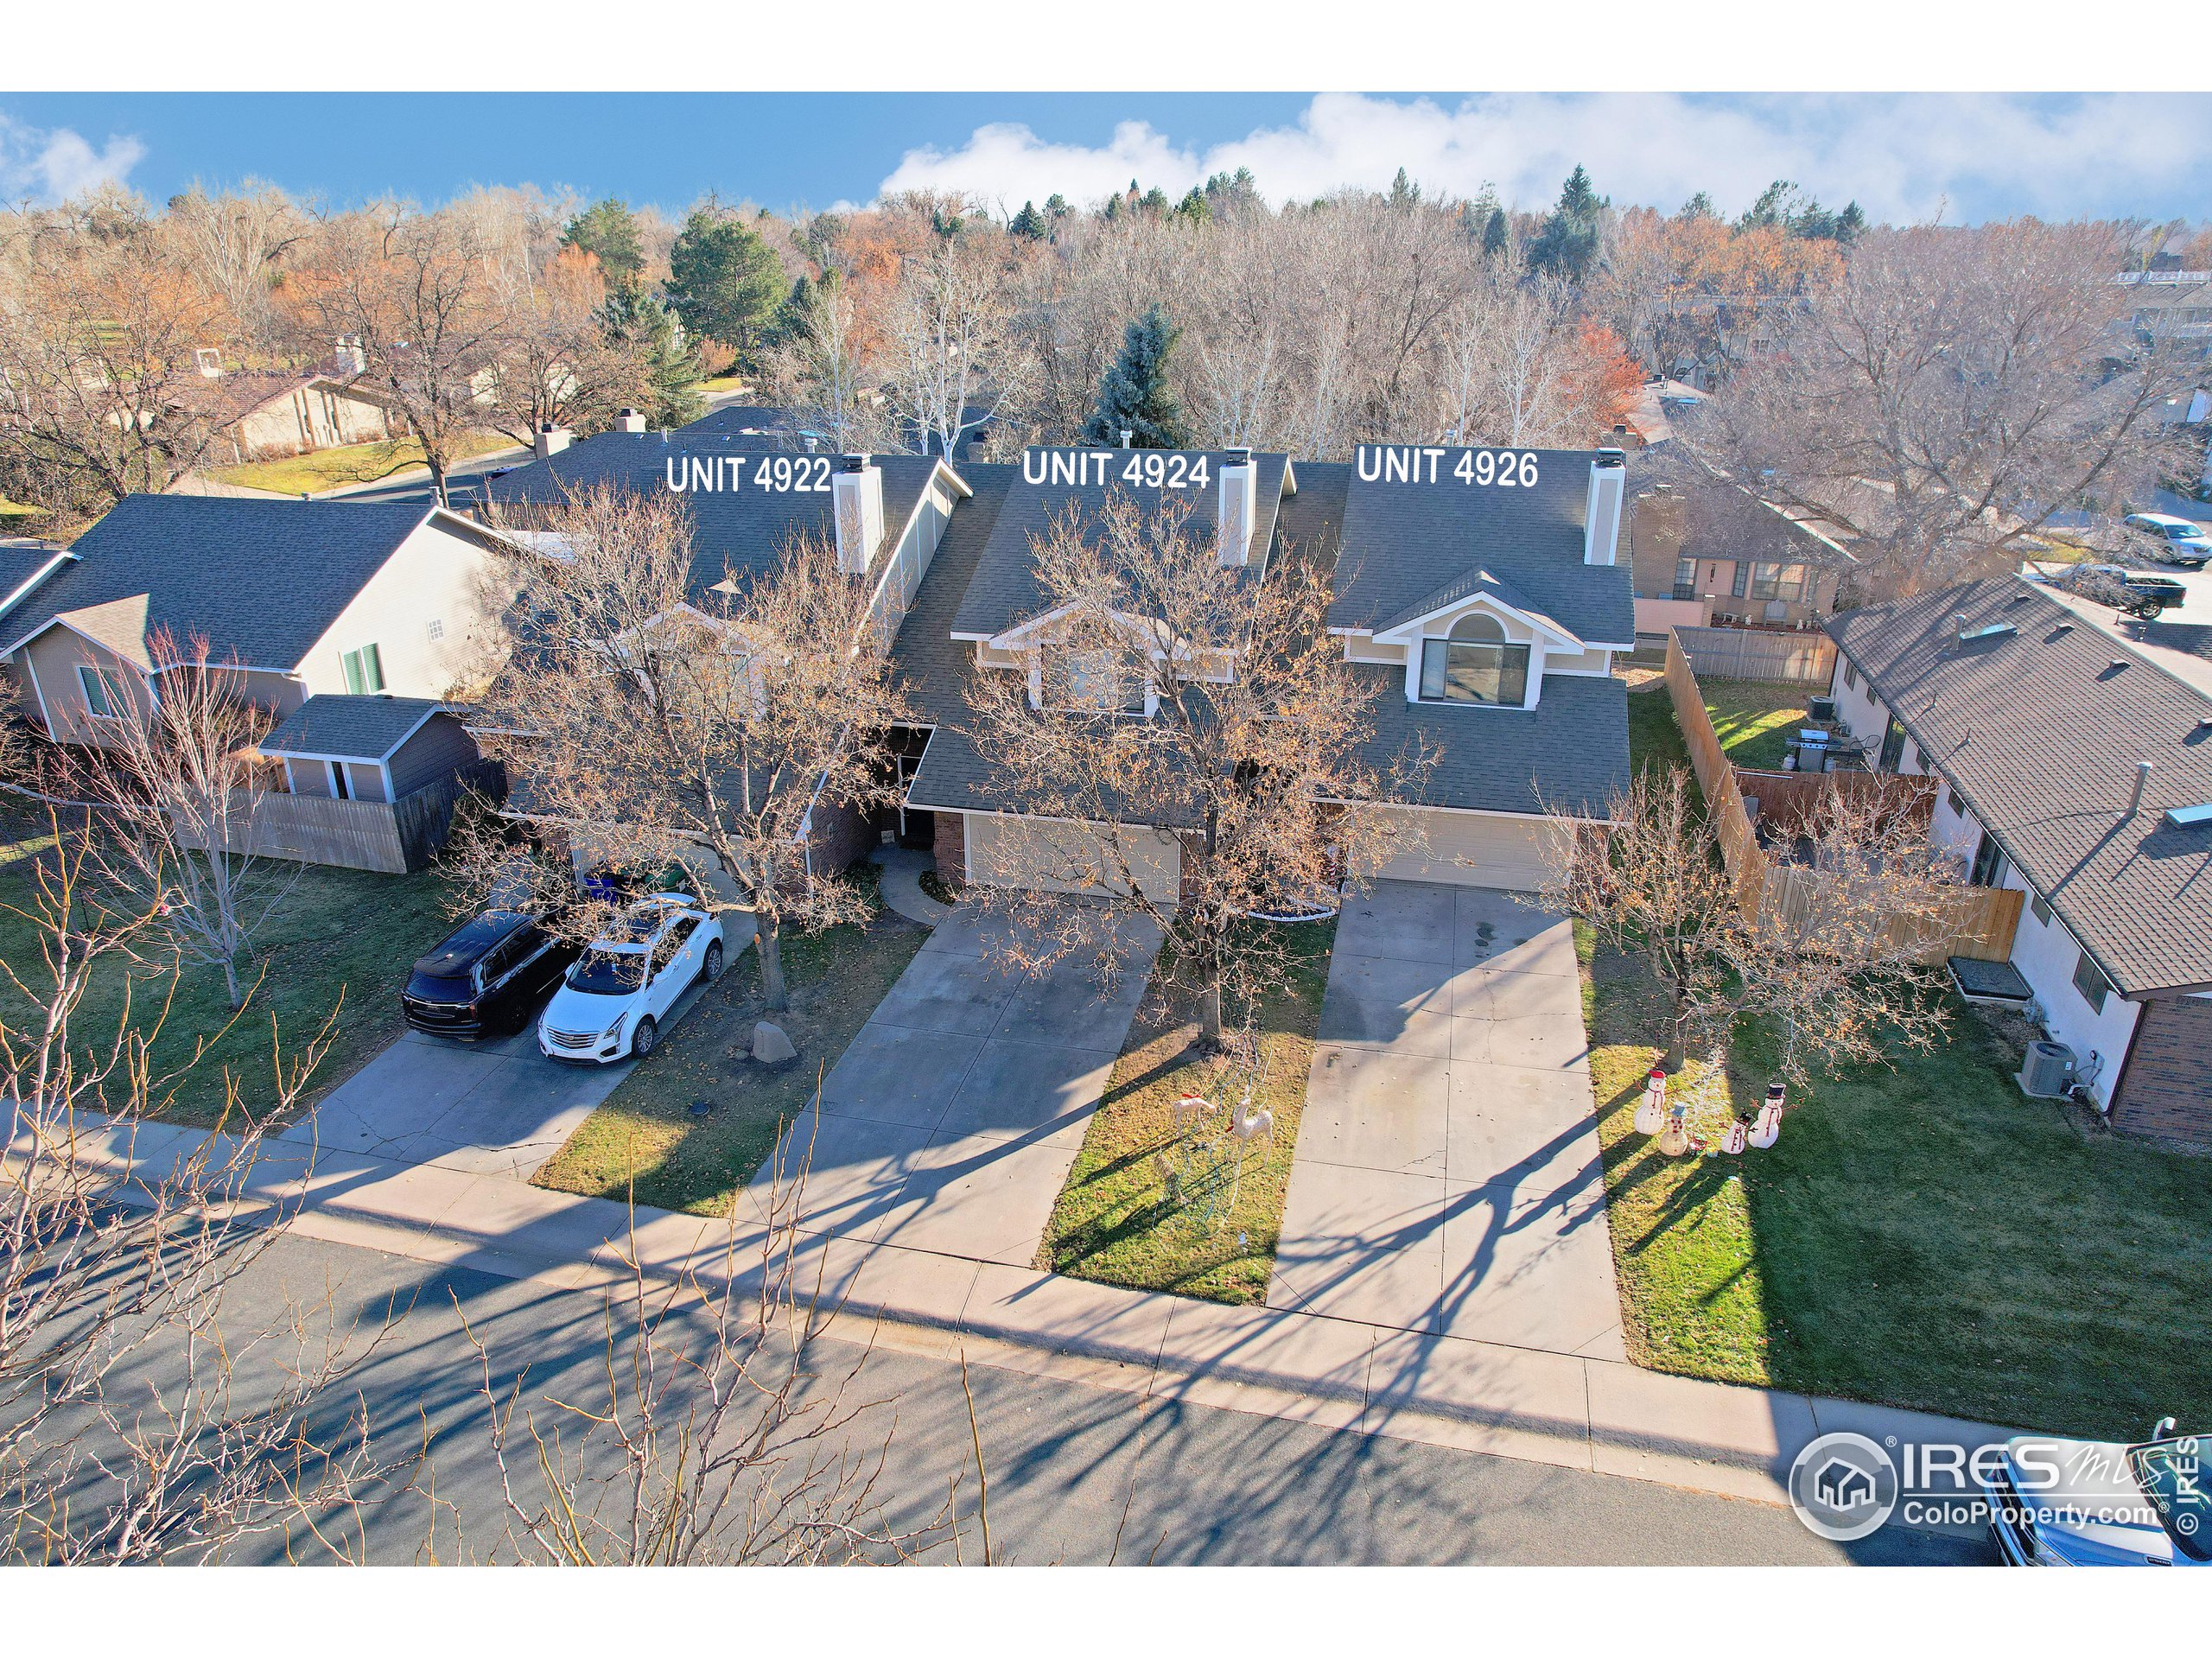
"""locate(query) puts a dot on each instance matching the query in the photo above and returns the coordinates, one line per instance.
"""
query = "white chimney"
(551, 439)
(858, 500)
(1127, 434)
(1601, 522)
(630, 419)
(210, 362)
(349, 358)
(1240, 501)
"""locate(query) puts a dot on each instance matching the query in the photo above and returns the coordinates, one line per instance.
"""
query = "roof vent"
(2189, 818)
(2142, 782)
(1993, 631)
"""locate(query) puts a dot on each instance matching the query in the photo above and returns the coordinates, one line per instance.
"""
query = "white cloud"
(52, 165)
(1902, 156)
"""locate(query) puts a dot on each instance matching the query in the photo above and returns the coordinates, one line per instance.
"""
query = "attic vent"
(1994, 630)
(2189, 818)
(2063, 627)
(2019, 599)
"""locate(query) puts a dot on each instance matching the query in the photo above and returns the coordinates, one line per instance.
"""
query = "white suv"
(612, 998)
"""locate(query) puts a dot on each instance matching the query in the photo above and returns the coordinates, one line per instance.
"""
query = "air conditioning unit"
(2047, 1071)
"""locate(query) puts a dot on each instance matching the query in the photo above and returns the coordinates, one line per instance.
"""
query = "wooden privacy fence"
(1977, 922)
(391, 838)
(1807, 658)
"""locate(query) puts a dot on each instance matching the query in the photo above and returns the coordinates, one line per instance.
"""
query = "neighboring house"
(369, 748)
(789, 429)
(24, 564)
(1707, 553)
(2173, 305)
(303, 596)
(1488, 614)
(265, 414)
(2036, 717)
(885, 516)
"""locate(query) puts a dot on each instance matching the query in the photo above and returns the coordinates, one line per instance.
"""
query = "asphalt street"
(1076, 1474)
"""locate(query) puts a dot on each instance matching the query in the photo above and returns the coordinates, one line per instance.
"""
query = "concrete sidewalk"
(1571, 1410)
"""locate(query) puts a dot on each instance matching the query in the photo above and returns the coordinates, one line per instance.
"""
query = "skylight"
(2189, 818)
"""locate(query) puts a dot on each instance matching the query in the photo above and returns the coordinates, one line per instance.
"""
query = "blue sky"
(1905, 155)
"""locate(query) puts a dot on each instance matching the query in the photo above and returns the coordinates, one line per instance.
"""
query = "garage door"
(1067, 858)
(1470, 850)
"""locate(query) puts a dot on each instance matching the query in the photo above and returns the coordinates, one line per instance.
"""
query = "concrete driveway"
(1447, 1179)
(496, 1108)
(950, 1123)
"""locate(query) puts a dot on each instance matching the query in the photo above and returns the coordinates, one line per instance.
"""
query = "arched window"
(1474, 663)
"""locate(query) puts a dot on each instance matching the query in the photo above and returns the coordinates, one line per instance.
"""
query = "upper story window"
(1099, 680)
(1476, 664)
(1686, 578)
(364, 670)
(105, 697)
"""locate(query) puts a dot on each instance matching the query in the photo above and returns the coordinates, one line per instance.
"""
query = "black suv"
(488, 978)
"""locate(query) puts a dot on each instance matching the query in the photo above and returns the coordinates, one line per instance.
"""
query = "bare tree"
(140, 1421)
(1168, 695)
(421, 293)
(235, 243)
(954, 357)
(101, 382)
(676, 714)
(826, 371)
(1834, 957)
(710, 1433)
(182, 787)
(1949, 393)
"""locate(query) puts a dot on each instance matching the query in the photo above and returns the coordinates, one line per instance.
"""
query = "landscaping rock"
(771, 1044)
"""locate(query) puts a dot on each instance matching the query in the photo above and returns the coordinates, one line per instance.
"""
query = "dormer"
(1477, 644)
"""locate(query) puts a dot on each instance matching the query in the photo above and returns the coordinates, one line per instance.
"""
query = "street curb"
(1704, 1436)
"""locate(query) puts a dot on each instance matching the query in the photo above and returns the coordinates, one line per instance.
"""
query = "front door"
(1893, 746)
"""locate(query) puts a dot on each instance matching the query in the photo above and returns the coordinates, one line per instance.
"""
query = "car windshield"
(2172, 1474)
(608, 973)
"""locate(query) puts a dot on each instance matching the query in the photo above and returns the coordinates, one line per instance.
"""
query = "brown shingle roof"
(2041, 730)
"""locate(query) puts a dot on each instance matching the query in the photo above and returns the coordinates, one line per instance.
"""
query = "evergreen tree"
(1698, 206)
(1135, 394)
(1194, 206)
(1404, 193)
(792, 320)
(724, 283)
(1496, 232)
(1055, 207)
(608, 231)
(1155, 202)
(1225, 191)
(639, 324)
(1567, 242)
(1028, 223)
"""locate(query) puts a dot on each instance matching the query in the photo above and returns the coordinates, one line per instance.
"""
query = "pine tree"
(1134, 395)
(723, 281)
(637, 323)
(1193, 206)
(1404, 193)
(1567, 242)
(1028, 223)
(608, 231)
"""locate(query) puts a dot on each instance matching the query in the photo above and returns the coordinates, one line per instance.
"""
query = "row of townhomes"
(1488, 592)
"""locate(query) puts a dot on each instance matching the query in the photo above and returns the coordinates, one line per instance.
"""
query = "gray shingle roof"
(263, 581)
(784, 429)
(1005, 590)
(738, 527)
(22, 562)
(2040, 730)
(351, 727)
(1568, 753)
(1405, 543)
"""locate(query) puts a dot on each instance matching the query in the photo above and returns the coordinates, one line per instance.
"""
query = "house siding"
(443, 746)
(54, 658)
(2167, 1093)
(432, 577)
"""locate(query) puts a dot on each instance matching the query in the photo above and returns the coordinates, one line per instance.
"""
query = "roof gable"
(1407, 544)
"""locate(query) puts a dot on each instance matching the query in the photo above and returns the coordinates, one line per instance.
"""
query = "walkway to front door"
(1446, 1177)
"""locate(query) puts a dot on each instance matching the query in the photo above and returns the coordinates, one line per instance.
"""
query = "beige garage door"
(1470, 850)
(1067, 857)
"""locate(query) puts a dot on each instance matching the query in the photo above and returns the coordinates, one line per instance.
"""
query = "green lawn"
(1926, 1236)
(1753, 721)
(342, 940)
(644, 1141)
(1114, 1223)
(352, 463)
